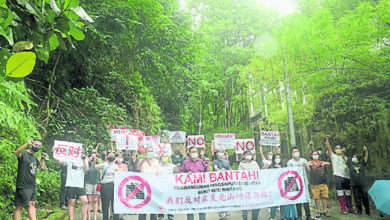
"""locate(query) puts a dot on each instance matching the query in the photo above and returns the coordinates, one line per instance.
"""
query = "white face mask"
(269, 157)
(296, 155)
(277, 161)
(249, 157)
(194, 155)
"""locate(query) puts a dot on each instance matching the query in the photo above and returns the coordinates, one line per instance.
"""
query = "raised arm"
(19, 151)
(278, 150)
(97, 147)
(261, 150)
(365, 150)
(85, 162)
(42, 164)
(328, 145)
(309, 146)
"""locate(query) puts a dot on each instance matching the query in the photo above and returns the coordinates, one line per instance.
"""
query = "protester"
(133, 162)
(177, 158)
(221, 164)
(75, 185)
(194, 165)
(166, 168)
(298, 161)
(286, 211)
(249, 164)
(341, 176)
(107, 184)
(26, 187)
(92, 178)
(318, 180)
(322, 155)
(149, 165)
(266, 161)
(359, 183)
(120, 163)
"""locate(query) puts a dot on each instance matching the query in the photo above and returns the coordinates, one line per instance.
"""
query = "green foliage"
(21, 64)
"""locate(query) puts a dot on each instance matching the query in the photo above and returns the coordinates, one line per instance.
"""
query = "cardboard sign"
(177, 137)
(245, 145)
(67, 151)
(151, 140)
(162, 148)
(230, 190)
(270, 138)
(124, 140)
(196, 141)
(224, 141)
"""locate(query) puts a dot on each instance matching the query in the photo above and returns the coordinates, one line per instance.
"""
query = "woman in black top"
(358, 181)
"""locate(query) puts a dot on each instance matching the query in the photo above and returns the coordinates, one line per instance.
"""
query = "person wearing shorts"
(75, 185)
(341, 177)
(318, 181)
(92, 178)
(26, 188)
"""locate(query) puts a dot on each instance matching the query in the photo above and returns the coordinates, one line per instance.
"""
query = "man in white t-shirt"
(75, 185)
(298, 161)
(341, 176)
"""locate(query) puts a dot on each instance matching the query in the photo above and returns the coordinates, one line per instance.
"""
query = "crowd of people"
(90, 182)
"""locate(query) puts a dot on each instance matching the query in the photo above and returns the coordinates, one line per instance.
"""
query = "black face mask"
(110, 159)
(126, 159)
(35, 148)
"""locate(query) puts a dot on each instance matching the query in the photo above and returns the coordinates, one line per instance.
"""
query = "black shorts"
(342, 183)
(23, 196)
(74, 192)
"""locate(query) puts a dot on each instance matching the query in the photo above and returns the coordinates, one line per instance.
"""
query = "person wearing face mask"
(221, 164)
(341, 177)
(194, 165)
(26, 187)
(120, 163)
(92, 177)
(108, 170)
(266, 161)
(298, 161)
(149, 165)
(166, 168)
(358, 181)
(133, 162)
(318, 181)
(286, 211)
(249, 164)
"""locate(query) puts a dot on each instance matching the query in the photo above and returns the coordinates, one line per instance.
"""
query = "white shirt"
(167, 168)
(339, 166)
(267, 163)
(75, 174)
(110, 172)
(252, 165)
(294, 163)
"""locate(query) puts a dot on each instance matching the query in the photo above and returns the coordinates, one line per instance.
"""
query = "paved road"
(264, 215)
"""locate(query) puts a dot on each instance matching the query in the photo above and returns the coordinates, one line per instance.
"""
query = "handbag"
(104, 172)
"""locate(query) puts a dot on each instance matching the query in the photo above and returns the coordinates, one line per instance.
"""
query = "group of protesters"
(91, 180)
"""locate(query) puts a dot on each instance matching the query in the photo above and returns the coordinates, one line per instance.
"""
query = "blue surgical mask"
(150, 154)
(221, 155)
(354, 160)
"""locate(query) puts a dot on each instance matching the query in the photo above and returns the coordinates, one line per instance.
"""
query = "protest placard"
(230, 190)
(245, 145)
(67, 151)
(196, 141)
(124, 140)
(270, 138)
(151, 140)
(224, 141)
(177, 137)
(162, 148)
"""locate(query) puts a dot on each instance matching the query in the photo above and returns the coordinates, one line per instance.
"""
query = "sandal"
(326, 214)
(318, 215)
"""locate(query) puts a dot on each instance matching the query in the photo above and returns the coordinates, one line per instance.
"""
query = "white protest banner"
(67, 151)
(230, 190)
(270, 138)
(162, 148)
(151, 140)
(196, 141)
(124, 140)
(177, 137)
(244, 145)
(224, 141)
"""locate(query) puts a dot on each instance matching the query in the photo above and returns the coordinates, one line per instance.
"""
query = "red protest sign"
(67, 151)
(196, 141)
(244, 145)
